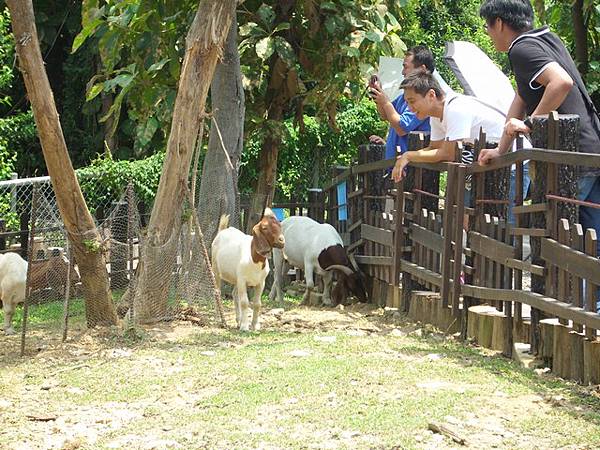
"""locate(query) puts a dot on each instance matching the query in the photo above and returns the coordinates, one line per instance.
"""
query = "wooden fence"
(477, 281)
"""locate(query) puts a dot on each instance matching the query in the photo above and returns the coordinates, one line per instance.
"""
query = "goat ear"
(262, 245)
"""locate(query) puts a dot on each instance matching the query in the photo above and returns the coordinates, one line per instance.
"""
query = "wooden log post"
(416, 141)
(2, 238)
(559, 131)
(430, 179)
(316, 208)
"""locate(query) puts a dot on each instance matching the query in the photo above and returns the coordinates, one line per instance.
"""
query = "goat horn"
(353, 262)
(346, 270)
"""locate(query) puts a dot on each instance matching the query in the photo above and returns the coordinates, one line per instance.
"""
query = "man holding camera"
(401, 119)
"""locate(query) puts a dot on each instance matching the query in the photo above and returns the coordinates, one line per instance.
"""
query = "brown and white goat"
(317, 248)
(241, 260)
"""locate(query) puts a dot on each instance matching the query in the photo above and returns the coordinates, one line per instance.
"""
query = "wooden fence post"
(316, 209)
(560, 131)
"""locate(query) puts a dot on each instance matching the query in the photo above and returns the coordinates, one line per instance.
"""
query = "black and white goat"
(317, 248)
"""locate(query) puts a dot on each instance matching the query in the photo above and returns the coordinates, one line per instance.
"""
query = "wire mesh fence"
(31, 226)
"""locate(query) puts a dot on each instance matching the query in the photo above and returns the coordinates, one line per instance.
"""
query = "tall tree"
(205, 41)
(218, 189)
(78, 221)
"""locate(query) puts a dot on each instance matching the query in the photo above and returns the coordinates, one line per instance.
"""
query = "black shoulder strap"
(576, 77)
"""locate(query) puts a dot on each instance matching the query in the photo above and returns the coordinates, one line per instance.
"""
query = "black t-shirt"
(529, 55)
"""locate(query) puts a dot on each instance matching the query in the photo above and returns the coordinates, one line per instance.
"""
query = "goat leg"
(256, 305)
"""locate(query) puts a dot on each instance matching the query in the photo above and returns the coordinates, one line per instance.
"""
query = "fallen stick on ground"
(441, 429)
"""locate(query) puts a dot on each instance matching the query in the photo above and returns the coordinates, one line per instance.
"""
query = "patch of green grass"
(49, 315)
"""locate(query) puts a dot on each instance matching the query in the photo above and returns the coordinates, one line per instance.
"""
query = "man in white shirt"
(454, 117)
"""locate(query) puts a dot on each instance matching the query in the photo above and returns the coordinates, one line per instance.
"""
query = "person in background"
(401, 119)
(547, 80)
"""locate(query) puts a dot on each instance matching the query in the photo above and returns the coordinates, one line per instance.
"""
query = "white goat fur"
(305, 239)
(232, 262)
(13, 278)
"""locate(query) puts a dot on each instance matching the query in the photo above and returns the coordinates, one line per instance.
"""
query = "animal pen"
(411, 235)
(398, 235)
(31, 226)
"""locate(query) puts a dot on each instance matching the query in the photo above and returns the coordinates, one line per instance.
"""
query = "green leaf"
(282, 26)
(121, 80)
(86, 32)
(246, 29)
(374, 36)
(146, 131)
(331, 25)
(94, 91)
(285, 51)
(264, 47)
(267, 15)
(329, 6)
(158, 65)
(353, 52)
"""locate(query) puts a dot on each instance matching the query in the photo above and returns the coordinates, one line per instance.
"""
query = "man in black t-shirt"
(547, 80)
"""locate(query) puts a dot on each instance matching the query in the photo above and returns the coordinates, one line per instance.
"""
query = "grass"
(49, 315)
(212, 388)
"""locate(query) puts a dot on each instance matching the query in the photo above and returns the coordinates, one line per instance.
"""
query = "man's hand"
(399, 168)
(377, 94)
(374, 139)
(487, 154)
(515, 126)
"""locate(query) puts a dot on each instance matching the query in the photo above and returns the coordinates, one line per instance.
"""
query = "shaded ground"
(316, 379)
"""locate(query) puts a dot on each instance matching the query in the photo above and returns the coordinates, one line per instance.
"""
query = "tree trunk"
(580, 35)
(218, 186)
(279, 95)
(540, 10)
(110, 137)
(78, 221)
(204, 48)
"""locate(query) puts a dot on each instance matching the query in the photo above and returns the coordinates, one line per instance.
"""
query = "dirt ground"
(23, 417)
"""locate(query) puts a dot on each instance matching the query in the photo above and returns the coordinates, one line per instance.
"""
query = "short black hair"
(422, 82)
(422, 56)
(517, 14)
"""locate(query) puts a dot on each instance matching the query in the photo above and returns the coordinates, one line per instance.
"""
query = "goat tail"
(224, 222)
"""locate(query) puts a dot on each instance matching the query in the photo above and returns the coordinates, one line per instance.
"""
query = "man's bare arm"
(436, 152)
(557, 83)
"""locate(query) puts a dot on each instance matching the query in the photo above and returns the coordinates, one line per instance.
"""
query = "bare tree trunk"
(267, 166)
(110, 137)
(580, 35)
(540, 10)
(218, 187)
(279, 93)
(73, 209)
(204, 48)
(279, 96)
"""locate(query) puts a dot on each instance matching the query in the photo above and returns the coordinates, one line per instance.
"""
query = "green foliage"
(434, 22)
(104, 180)
(140, 46)
(558, 15)
(326, 49)
(10, 126)
(307, 154)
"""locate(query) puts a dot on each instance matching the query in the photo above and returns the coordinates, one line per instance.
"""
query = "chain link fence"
(31, 226)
